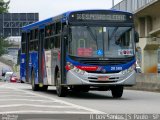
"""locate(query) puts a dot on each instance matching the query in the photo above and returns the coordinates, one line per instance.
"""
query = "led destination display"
(101, 17)
(113, 17)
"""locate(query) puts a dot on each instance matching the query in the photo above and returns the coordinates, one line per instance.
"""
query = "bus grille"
(102, 81)
(112, 61)
(100, 72)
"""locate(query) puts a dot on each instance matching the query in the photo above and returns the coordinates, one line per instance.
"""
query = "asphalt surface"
(19, 98)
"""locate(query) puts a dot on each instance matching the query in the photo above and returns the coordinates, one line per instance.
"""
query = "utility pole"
(112, 3)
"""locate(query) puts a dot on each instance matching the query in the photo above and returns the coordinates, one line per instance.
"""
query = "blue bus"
(80, 51)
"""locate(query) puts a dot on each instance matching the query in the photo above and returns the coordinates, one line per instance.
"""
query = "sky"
(50, 8)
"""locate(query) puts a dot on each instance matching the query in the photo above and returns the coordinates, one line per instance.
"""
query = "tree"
(4, 6)
(3, 45)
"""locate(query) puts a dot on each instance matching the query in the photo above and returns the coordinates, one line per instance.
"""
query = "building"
(11, 23)
(147, 22)
(10, 29)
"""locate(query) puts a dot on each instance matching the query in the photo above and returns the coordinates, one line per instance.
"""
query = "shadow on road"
(96, 95)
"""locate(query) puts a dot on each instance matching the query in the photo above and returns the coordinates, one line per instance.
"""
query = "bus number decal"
(116, 68)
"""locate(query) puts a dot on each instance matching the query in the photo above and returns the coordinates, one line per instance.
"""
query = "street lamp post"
(112, 3)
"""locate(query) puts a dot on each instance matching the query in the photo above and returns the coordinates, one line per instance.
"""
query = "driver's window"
(125, 39)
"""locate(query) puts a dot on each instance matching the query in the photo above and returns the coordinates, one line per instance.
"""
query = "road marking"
(43, 101)
(13, 93)
(17, 96)
(31, 105)
(44, 112)
(60, 101)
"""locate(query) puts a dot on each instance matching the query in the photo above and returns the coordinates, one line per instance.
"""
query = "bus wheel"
(34, 86)
(117, 91)
(62, 91)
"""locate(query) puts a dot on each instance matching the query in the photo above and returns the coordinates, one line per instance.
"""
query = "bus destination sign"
(105, 17)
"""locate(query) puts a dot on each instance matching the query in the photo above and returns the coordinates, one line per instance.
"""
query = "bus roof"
(41, 24)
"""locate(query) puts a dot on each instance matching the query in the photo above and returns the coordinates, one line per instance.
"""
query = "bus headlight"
(79, 71)
(70, 66)
(124, 72)
(129, 70)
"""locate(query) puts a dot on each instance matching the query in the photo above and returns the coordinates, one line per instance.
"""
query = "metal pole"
(112, 3)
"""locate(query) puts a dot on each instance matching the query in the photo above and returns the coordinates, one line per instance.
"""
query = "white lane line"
(60, 101)
(17, 96)
(42, 101)
(6, 90)
(31, 105)
(43, 112)
(11, 93)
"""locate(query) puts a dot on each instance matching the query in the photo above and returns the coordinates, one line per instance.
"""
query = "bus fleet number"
(116, 68)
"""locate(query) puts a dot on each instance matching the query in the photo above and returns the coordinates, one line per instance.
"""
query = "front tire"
(117, 91)
(34, 86)
(62, 91)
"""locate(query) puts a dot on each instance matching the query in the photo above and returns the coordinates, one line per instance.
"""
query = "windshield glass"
(108, 42)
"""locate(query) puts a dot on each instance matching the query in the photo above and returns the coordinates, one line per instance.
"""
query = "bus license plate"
(103, 78)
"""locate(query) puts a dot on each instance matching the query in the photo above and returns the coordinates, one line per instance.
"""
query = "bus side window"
(31, 46)
(36, 45)
(57, 42)
(23, 42)
(31, 35)
(36, 34)
(23, 37)
(23, 47)
(48, 30)
(52, 43)
(47, 44)
(58, 28)
(53, 29)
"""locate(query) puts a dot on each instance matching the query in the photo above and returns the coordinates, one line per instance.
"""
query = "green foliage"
(3, 45)
(4, 6)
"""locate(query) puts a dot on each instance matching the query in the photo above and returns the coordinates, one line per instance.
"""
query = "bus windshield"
(105, 42)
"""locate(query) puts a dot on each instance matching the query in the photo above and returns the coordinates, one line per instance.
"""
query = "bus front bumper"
(94, 79)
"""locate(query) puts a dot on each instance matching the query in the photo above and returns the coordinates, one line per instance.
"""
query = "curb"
(146, 86)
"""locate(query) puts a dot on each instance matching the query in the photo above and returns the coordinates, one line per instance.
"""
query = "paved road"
(19, 98)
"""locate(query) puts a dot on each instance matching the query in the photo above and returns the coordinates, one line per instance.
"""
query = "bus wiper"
(92, 35)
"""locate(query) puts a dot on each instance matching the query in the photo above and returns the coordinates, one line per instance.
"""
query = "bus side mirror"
(136, 37)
